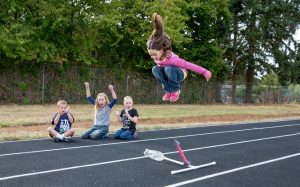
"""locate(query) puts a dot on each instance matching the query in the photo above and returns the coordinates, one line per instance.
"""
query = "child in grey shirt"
(102, 114)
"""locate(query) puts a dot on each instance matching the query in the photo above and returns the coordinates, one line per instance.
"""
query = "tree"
(278, 26)
(270, 79)
(135, 27)
(264, 28)
(207, 28)
(54, 31)
(295, 78)
(233, 45)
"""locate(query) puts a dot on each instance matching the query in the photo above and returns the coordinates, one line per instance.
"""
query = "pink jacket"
(174, 60)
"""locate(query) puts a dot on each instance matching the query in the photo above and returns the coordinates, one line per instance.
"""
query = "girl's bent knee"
(155, 70)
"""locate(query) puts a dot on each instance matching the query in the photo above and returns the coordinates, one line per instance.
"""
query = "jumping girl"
(170, 70)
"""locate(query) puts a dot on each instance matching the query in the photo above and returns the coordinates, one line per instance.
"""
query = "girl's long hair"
(158, 39)
(97, 106)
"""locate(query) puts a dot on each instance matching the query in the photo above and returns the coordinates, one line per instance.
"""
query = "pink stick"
(185, 161)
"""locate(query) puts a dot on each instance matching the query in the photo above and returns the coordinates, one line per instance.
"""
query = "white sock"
(60, 136)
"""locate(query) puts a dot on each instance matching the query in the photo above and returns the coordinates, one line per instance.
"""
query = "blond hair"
(61, 102)
(126, 98)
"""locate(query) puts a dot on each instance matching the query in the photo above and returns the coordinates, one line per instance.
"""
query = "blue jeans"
(169, 77)
(124, 134)
(96, 133)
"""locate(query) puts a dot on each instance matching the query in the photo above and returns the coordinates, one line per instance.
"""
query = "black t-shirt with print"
(127, 124)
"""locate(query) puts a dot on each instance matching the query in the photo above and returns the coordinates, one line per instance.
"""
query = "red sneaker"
(174, 96)
(166, 97)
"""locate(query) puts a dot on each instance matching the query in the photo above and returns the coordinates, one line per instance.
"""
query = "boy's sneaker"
(56, 139)
(166, 97)
(67, 139)
(174, 96)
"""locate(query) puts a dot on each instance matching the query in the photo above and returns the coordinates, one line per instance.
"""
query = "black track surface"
(122, 163)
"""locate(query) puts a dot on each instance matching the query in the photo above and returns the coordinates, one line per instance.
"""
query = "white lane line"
(233, 170)
(69, 168)
(206, 126)
(141, 157)
(136, 141)
(235, 143)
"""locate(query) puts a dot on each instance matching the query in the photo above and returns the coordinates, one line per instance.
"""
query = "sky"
(297, 35)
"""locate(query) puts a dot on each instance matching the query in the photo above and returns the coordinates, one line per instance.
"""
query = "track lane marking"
(214, 125)
(153, 139)
(233, 170)
(142, 157)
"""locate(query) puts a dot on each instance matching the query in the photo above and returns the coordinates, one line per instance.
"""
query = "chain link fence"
(49, 83)
(36, 84)
(262, 94)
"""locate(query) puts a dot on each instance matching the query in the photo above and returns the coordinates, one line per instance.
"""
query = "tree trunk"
(251, 61)
(233, 92)
(249, 82)
(234, 60)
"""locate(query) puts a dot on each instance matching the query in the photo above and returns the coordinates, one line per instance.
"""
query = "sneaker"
(67, 139)
(105, 136)
(174, 96)
(56, 139)
(166, 97)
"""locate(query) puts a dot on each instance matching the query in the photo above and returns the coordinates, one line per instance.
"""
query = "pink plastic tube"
(185, 161)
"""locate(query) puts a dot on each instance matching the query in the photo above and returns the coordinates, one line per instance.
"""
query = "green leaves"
(102, 33)
(207, 27)
(114, 33)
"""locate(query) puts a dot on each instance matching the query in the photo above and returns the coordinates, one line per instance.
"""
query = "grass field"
(31, 121)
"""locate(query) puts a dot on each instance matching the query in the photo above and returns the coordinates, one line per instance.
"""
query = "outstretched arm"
(88, 93)
(87, 89)
(174, 60)
(193, 67)
(112, 91)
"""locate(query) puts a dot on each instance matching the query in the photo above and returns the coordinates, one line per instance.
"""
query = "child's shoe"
(166, 97)
(56, 139)
(67, 139)
(174, 96)
(105, 136)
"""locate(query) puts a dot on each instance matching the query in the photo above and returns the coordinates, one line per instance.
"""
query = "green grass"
(11, 138)
(4, 124)
(16, 115)
(20, 122)
(169, 111)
